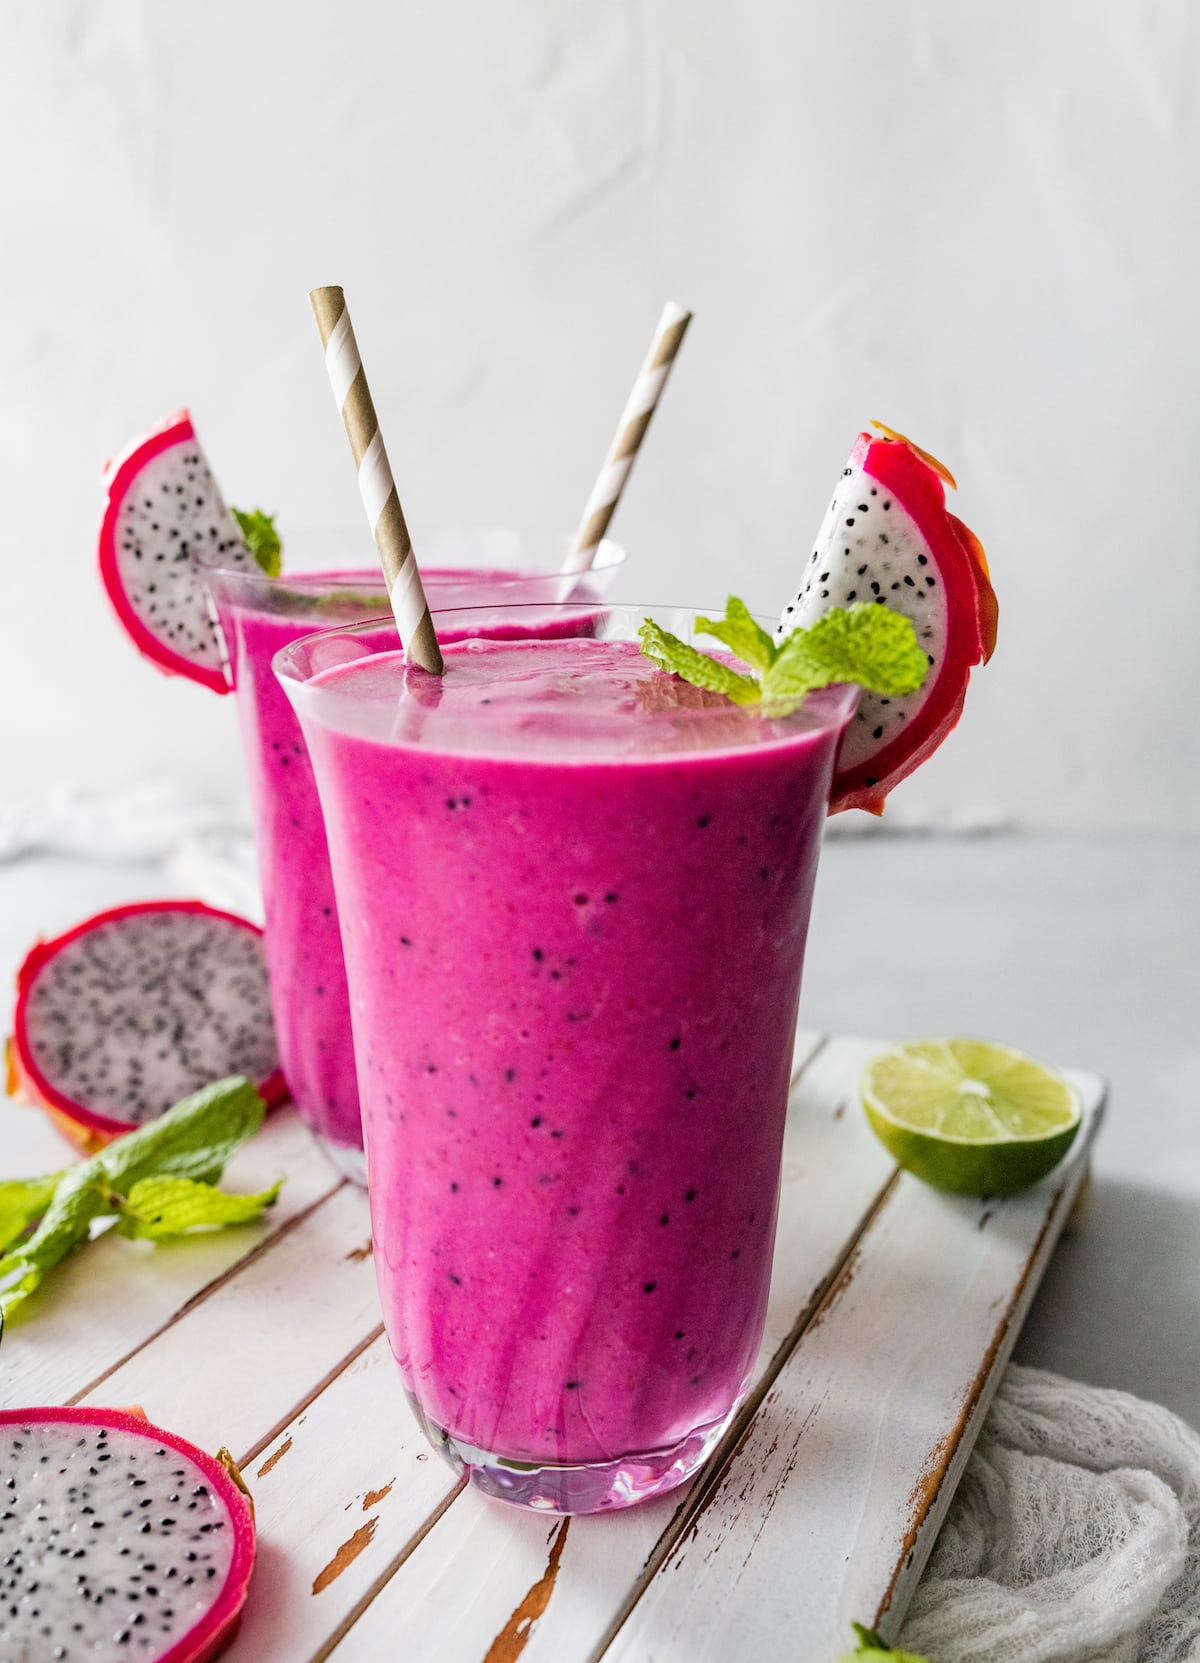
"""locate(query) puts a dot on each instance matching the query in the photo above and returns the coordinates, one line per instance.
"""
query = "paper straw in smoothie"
(384, 514)
(631, 430)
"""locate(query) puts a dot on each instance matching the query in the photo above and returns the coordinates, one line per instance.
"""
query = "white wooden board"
(891, 1311)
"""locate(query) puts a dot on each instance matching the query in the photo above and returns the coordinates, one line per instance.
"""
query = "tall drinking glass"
(258, 616)
(574, 896)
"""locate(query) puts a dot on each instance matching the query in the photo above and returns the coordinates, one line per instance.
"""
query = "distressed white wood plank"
(501, 1564)
(338, 1495)
(112, 1296)
(236, 1365)
(829, 1507)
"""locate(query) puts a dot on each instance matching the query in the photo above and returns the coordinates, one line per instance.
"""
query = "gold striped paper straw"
(376, 486)
(631, 430)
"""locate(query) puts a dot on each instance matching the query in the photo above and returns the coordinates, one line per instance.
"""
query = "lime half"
(967, 1116)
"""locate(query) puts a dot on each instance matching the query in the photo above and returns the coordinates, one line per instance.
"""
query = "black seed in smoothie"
(496, 1182)
(649, 1287)
(536, 1121)
(675, 1043)
(431, 1068)
(679, 1333)
(556, 1134)
(764, 873)
(690, 1093)
(328, 911)
(696, 1379)
(581, 900)
(704, 820)
(610, 898)
(538, 955)
(457, 1280)
(405, 942)
(665, 1219)
(510, 1075)
(572, 1212)
(572, 1385)
(453, 1188)
(736, 1254)
(689, 1195)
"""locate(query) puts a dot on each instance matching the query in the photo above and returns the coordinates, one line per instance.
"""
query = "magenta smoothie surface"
(303, 943)
(574, 898)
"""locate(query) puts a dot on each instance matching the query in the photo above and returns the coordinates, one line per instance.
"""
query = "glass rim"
(822, 710)
(610, 555)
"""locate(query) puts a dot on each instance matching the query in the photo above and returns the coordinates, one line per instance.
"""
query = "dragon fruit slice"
(137, 1007)
(117, 1539)
(888, 538)
(165, 516)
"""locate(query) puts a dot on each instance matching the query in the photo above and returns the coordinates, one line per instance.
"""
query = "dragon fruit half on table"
(888, 539)
(137, 1007)
(117, 1540)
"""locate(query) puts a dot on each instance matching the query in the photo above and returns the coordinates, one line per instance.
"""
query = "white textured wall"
(976, 222)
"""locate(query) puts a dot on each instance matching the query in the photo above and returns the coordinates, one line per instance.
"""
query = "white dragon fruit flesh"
(117, 1540)
(134, 1009)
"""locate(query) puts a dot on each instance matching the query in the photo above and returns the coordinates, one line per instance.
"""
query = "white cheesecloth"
(1074, 1536)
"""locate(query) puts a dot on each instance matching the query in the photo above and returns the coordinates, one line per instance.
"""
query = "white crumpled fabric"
(1074, 1536)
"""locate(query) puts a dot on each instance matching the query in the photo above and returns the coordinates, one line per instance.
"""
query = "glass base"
(590, 1487)
(347, 1158)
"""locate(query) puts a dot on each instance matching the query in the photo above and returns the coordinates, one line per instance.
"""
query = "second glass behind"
(258, 616)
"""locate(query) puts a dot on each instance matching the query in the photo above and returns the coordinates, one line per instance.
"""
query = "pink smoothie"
(574, 917)
(303, 943)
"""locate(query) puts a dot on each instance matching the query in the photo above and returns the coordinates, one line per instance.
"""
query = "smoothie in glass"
(259, 615)
(574, 896)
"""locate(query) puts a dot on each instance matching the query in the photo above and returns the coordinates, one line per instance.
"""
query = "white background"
(978, 223)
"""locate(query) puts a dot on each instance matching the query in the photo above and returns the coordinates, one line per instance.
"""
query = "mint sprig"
(157, 1181)
(871, 1647)
(262, 539)
(870, 645)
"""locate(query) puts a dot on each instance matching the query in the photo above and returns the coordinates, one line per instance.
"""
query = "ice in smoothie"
(259, 615)
(574, 896)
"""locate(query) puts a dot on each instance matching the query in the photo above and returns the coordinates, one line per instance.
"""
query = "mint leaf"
(190, 1142)
(870, 1646)
(22, 1203)
(161, 1207)
(262, 539)
(66, 1223)
(870, 645)
(672, 654)
(739, 631)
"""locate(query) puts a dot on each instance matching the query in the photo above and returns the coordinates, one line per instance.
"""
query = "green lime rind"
(969, 1117)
